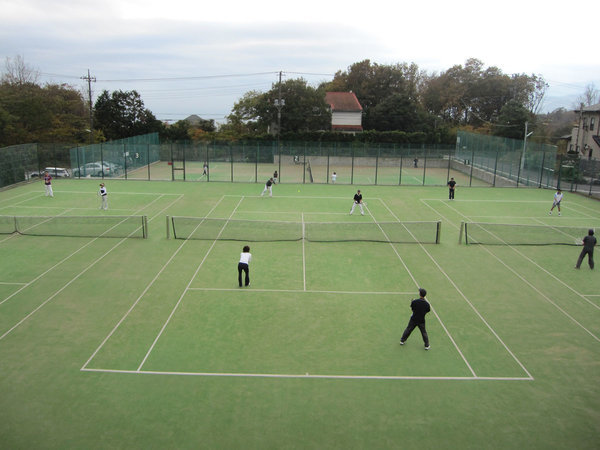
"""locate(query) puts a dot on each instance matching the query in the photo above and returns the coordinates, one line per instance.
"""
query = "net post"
(168, 228)
(460, 234)
(438, 232)
(145, 226)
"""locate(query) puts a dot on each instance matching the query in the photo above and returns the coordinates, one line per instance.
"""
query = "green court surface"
(150, 343)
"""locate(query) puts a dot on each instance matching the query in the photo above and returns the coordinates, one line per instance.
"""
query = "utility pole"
(279, 103)
(89, 79)
(522, 166)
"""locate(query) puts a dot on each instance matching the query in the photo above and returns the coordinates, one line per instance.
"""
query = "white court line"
(71, 209)
(11, 283)
(348, 198)
(14, 235)
(306, 375)
(417, 284)
(19, 195)
(142, 372)
(468, 302)
(71, 281)
(573, 207)
(148, 286)
(293, 212)
(185, 290)
(544, 296)
(303, 255)
(302, 291)
(462, 200)
(122, 193)
(37, 195)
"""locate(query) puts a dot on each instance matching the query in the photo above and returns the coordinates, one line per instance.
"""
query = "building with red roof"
(346, 112)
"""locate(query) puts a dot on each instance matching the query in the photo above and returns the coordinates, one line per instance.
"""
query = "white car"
(56, 172)
(95, 169)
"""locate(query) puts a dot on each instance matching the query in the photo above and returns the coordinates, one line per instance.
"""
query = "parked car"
(56, 172)
(96, 169)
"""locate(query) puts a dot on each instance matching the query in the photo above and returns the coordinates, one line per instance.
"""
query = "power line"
(205, 77)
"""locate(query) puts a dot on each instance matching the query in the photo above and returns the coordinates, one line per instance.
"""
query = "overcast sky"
(187, 57)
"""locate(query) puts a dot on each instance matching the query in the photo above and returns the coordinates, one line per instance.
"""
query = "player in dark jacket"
(357, 201)
(419, 307)
(588, 249)
(451, 187)
(268, 188)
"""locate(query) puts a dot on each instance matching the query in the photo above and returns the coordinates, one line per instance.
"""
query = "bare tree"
(19, 73)
(589, 97)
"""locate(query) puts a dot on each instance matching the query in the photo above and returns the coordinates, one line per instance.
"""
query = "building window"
(585, 123)
(592, 120)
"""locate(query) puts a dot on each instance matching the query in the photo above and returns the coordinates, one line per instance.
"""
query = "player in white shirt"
(48, 184)
(102, 193)
(556, 204)
(243, 265)
(333, 177)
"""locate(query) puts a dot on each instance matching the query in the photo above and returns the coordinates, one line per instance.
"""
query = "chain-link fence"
(507, 162)
(475, 160)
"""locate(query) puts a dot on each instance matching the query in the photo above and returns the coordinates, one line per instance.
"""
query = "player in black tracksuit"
(451, 186)
(357, 201)
(268, 188)
(419, 307)
(588, 249)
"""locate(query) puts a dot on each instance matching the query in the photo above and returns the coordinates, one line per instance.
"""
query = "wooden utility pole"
(89, 79)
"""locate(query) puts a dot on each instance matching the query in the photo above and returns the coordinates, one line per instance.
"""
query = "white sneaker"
(401, 342)
(558, 214)
(550, 213)
(427, 348)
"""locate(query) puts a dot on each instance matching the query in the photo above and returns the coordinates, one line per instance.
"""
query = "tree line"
(401, 103)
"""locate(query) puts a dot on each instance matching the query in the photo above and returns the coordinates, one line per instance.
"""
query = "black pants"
(411, 326)
(243, 267)
(451, 194)
(590, 254)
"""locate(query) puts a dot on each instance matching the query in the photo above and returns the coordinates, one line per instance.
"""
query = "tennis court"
(147, 341)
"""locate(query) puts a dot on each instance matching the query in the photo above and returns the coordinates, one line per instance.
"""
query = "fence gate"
(177, 162)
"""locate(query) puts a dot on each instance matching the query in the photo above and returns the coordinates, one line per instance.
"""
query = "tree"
(375, 83)
(31, 113)
(399, 112)
(122, 114)
(19, 73)
(179, 131)
(511, 122)
(249, 114)
(472, 95)
(588, 98)
(304, 110)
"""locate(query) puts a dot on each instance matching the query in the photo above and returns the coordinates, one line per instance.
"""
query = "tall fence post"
(471, 175)
(352, 171)
(400, 175)
(377, 162)
(495, 168)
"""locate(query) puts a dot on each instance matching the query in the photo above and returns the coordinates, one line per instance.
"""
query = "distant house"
(193, 119)
(585, 138)
(346, 112)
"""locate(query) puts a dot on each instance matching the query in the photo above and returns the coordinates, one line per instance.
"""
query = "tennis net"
(515, 234)
(76, 226)
(265, 231)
